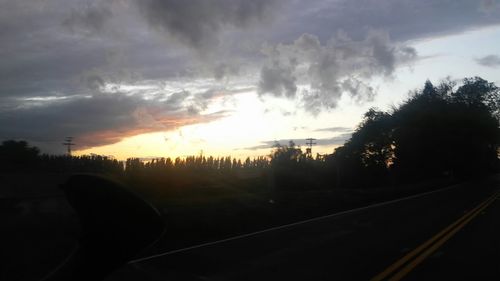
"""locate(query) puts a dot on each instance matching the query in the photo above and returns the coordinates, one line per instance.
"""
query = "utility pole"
(309, 142)
(68, 141)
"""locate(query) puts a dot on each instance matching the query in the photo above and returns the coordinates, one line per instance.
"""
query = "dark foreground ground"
(38, 226)
(356, 245)
(40, 229)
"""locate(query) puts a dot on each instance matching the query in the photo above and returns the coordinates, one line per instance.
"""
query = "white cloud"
(329, 70)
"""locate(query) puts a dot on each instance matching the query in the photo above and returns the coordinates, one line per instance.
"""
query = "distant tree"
(18, 156)
(134, 167)
(286, 155)
(364, 158)
(292, 169)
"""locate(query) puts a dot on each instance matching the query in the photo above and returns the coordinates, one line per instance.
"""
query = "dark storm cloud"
(488, 6)
(489, 60)
(95, 82)
(89, 18)
(199, 22)
(51, 47)
(98, 120)
(38, 58)
(57, 59)
(337, 140)
(402, 19)
(277, 80)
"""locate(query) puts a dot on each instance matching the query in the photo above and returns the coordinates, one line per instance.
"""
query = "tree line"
(19, 156)
(446, 131)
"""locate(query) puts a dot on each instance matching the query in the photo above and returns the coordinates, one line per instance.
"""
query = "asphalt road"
(452, 234)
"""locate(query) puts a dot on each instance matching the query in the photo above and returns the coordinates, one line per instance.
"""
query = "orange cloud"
(157, 122)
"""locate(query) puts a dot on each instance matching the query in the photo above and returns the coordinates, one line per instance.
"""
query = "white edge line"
(292, 224)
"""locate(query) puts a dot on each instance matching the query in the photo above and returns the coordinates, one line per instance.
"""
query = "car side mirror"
(116, 226)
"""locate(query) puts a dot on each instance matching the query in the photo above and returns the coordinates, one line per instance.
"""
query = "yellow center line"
(460, 223)
(409, 267)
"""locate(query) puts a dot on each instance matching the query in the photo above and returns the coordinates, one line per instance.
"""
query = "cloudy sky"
(173, 78)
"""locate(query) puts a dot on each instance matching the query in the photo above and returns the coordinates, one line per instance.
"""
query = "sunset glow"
(130, 83)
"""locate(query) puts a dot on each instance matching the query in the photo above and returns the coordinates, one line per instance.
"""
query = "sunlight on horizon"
(251, 123)
(253, 120)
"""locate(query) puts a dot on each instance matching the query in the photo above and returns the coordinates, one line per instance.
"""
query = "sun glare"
(245, 122)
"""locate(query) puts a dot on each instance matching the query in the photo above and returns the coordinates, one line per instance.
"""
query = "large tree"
(447, 129)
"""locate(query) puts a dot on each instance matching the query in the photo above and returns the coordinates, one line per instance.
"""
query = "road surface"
(452, 234)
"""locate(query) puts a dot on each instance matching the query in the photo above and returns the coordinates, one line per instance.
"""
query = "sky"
(158, 78)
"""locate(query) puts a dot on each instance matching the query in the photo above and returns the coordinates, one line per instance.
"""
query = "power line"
(309, 142)
(68, 142)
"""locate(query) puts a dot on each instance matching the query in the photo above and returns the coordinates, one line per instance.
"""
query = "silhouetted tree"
(293, 170)
(364, 158)
(18, 156)
(286, 155)
(442, 131)
(439, 131)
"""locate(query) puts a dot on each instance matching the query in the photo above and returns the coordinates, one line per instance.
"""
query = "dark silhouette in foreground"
(116, 226)
(18, 156)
